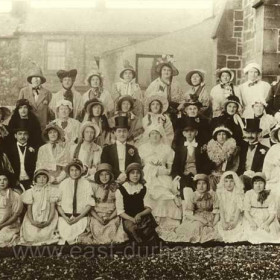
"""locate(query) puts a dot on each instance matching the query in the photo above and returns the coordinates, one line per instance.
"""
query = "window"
(56, 55)
(146, 69)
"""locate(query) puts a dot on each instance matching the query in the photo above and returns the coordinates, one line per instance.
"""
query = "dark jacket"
(273, 99)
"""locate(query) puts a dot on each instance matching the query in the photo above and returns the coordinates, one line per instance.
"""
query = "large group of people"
(127, 164)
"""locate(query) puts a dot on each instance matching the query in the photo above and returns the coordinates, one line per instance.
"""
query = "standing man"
(38, 96)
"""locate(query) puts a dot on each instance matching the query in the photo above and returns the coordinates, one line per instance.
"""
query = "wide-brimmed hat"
(67, 73)
(274, 134)
(134, 166)
(36, 72)
(64, 102)
(201, 176)
(6, 113)
(75, 162)
(56, 128)
(259, 101)
(22, 102)
(258, 175)
(221, 128)
(121, 122)
(127, 66)
(158, 97)
(92, 102)
(201, 73)
(94, 73)
(252, 65)
(86, 124)
(252, 125)
(166, 60)
(125, 98)
(40, 172)
(219, 73)
(103, 167)
(232, 99)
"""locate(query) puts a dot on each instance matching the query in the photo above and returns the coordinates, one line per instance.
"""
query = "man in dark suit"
(120, 154)
(22, 156)
(252, 152)
(190, 157)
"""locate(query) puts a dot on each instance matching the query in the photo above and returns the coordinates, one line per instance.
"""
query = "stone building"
(235, 33)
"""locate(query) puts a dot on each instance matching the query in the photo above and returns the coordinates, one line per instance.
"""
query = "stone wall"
(9, 70)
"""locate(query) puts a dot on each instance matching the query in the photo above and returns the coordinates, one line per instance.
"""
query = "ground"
(210, 261)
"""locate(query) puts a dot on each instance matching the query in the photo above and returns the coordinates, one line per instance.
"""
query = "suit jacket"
(110, 155)
(181, 154)
(29, 160)
(273, 99)
(258, 159)
(41, 107)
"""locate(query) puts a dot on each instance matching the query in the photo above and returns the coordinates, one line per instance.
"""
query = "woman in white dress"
(253, 89)
(53, 156)
(157, 160)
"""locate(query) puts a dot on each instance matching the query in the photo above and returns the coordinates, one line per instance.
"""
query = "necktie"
(36, 89)
(252, 146)
(22, 148)
(54, 149)
(75, 197)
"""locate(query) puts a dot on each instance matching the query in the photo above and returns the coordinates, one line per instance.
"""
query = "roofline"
(218, 21)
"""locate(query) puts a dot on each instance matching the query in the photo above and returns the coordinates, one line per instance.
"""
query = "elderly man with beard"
(252, 152)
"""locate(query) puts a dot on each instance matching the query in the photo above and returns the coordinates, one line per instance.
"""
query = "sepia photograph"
(139, 139)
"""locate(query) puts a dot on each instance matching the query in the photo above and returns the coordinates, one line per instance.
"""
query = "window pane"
(56, 55)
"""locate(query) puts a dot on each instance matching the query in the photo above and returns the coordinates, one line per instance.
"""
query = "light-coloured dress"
(166, 206)
(229, 203)
(85, 198)
(260, 213)
(250, 94)
(105, 205)
(204, 206)
(40, 198)
(10, 203)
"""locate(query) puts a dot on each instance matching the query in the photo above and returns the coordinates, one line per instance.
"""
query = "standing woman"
(10, 210)
(165, 85)
(128, 86)
(223, 154)
(253, 89)
(94, 109)
(24, 111)
(95, 81)
(87, 151)
(223, 90)
(38, 96)
(195, 79)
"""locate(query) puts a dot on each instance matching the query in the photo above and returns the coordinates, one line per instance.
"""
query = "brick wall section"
(229, 39)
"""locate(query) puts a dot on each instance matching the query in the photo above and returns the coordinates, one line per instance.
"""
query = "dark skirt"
(144, 231)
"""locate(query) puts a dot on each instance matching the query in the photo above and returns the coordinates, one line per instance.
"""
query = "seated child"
(230, 193)
(200, 213)
(133, 207)
(10, 210)
(74, 203)
(261, 224)
(104, 225)
(40, 221)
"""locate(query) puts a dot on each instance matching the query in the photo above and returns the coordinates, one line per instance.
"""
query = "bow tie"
(253, 83)
(190, 144)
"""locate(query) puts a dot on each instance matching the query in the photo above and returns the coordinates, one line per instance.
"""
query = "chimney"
(20, 8)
